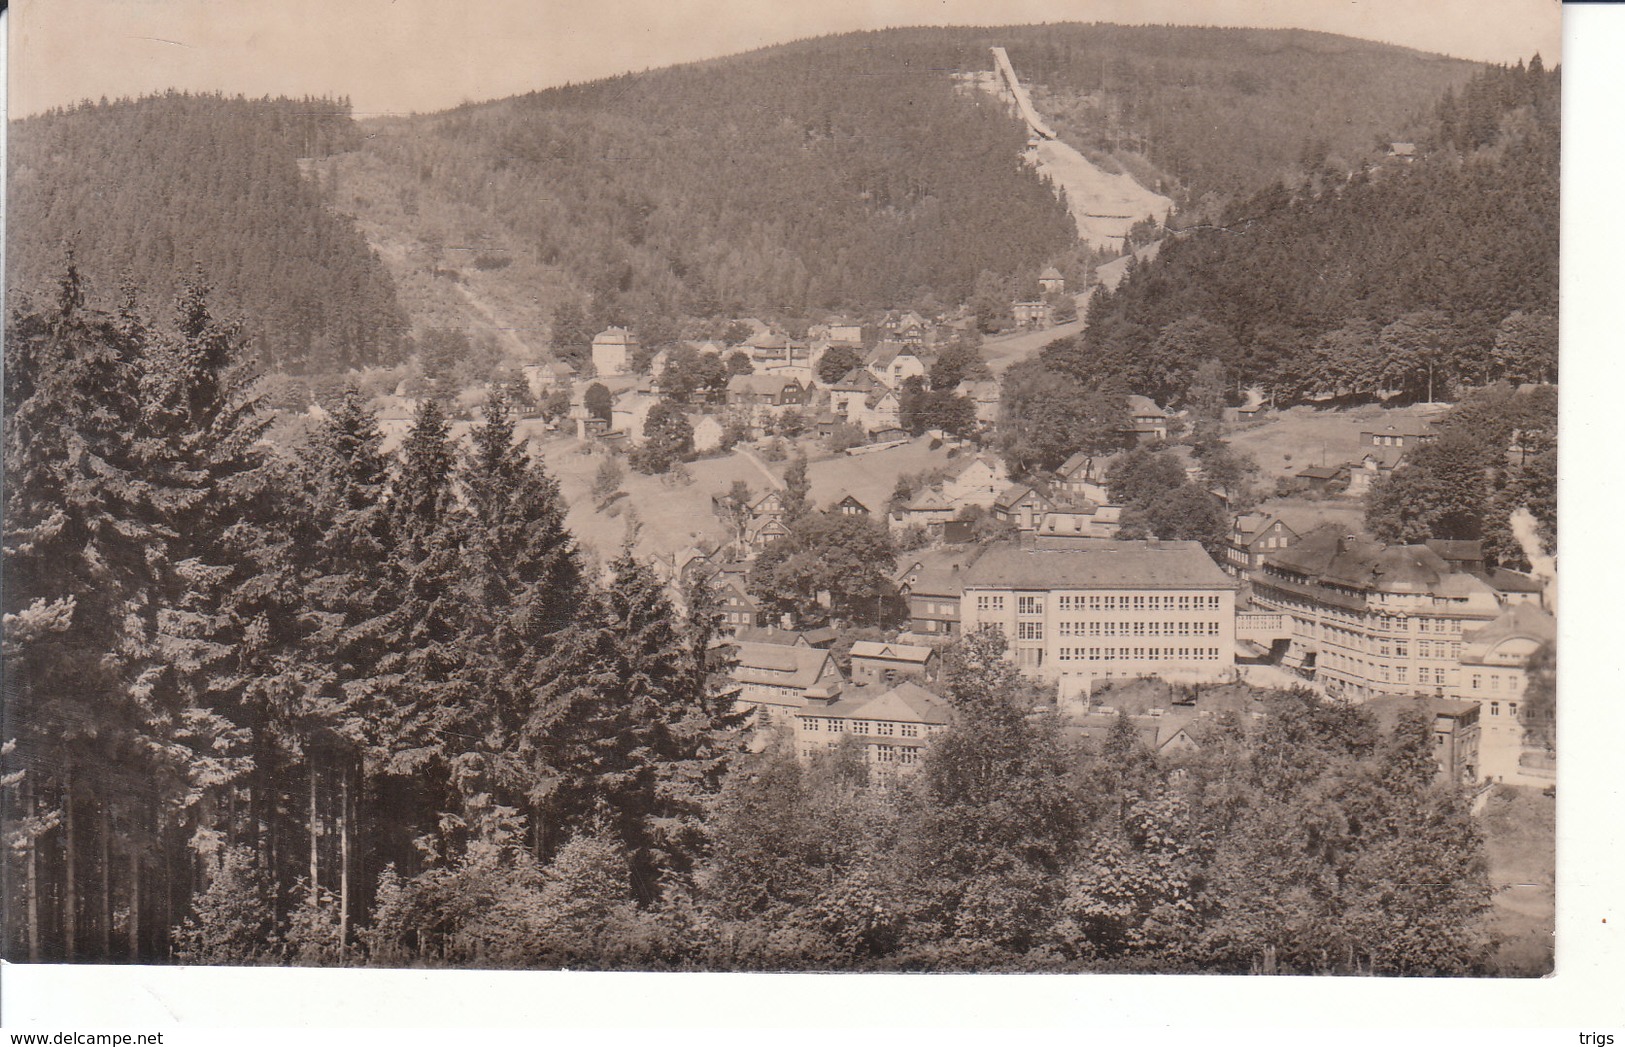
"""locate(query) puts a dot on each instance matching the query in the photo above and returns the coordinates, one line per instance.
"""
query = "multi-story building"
(1367, 619)
(893, 723)
(1495, 663)
(774, 678)
(613, 351)
(1112, 610)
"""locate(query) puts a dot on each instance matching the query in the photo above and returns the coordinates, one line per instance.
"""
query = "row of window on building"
(877, 753)
(880, 728)
(1035, 604)
(1096, 628)
(1139, 654)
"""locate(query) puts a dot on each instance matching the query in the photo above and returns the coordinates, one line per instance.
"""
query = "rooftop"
(898, 652)
(1113, 565)
(778, 664)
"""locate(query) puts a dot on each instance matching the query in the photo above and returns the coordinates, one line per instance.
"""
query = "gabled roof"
(965, 465)
(896, 652)
(1050, 273)
(781, 637)
(761, 384)
(906, 702)
(1505, 581)
(1074, 464)
(932, 499)
(856, 380)
(779, 664)
(1144, 406)
(1016, 493)
(614, 336)
(1321, 472)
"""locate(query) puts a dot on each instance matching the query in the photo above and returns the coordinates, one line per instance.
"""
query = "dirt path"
(515, 345)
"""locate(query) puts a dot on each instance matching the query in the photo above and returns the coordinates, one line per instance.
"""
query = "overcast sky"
(423, 55)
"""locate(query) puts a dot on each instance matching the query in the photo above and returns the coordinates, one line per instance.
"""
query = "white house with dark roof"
(1105, 610)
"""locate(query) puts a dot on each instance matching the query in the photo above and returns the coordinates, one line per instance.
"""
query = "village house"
(1148, 422)
(1324, 479)
(893, 364)
(613, 351)
(1050, 281)
(929, 508)
(630, 412)
(889, 663)
(881, 415)
(1106, 610)
(760, 397)
(848, 505)
(1023, 505)
(976, 480)
(738, 608)
(774, 678)
(707, 433)
(1078, 476)
(1367, 619)
(1037, 314)
(1495, 662)
(1252, 537)
(1079, 518)
(893, 723)
(848, 395)
(984, 398)
(932, 581)
(544, 378)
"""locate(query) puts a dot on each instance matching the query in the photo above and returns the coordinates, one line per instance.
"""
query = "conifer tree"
(524, 586)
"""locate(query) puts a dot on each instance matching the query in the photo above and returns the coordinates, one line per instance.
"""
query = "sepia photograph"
(873, 488)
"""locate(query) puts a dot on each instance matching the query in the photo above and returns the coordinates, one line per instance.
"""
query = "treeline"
(1404, 279)
(144, 190)
(336, 675)
(822, 176)
(1495, 454)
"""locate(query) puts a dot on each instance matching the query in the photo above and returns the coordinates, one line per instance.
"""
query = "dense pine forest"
(336, 706)
(144, 190)
(1214, 115)
(848, 173)
(1404, 278)
(778, 184)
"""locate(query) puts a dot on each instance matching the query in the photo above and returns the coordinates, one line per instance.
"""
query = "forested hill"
(813, 178)
(846, 172)
(1220, 113)
(150, 189)
(1404, 278)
